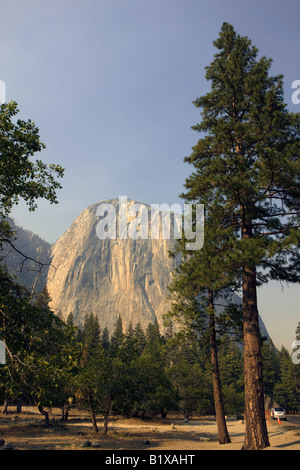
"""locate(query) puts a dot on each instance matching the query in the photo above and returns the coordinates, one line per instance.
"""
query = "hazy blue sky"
(110, 84)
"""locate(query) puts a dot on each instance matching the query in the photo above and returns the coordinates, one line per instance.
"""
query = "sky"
(111, 85)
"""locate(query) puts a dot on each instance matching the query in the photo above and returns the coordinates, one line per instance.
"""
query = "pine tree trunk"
(218, 399)
(256, 434)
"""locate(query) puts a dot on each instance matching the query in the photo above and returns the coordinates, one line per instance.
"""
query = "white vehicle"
(278, 413)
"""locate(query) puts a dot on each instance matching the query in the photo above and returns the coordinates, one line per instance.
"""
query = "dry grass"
(26, 431)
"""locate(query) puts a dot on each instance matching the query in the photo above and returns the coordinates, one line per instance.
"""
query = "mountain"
(108, 277)
(111, 276)
(27, 258)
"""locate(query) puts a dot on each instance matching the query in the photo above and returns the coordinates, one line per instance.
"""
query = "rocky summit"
(112, 276)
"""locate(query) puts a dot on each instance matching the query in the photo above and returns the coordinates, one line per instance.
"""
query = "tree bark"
(93, 415)
(65, 413)
(218, 398)
(5, 406)
(256, 434)
(105, 422)
(19, 405)
(44, 413)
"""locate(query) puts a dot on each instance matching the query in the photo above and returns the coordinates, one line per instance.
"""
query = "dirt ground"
(26, 431)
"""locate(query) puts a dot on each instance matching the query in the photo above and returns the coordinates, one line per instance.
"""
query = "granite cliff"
(109, 276)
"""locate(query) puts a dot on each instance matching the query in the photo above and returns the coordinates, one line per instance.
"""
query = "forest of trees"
(133, 373)
(246, 173)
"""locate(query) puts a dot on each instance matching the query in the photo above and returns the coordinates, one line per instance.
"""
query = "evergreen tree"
(128, 349)
(231, 375)
(285, 391)
(156, 393)
(70, 319)
(154, 341)
(201, 280)
(43, 299)
(91, 334)
(117, 337)
(271, 367)
(105, 339)
(189, 374)
(246, 172)
(140, 337)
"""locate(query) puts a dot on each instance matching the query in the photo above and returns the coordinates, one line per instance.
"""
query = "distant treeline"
(134, 373)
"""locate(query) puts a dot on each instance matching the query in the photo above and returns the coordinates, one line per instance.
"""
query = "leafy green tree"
(55, 362)
(246, 172)
(20, 177)
(23, 328)
(42, 352)
(101, 386)
(52, 371)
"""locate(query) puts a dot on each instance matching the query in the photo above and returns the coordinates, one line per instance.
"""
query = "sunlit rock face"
(108, 276)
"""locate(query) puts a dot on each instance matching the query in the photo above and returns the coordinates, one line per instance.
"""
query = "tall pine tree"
(246, 172)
